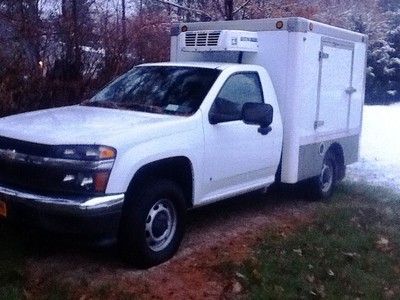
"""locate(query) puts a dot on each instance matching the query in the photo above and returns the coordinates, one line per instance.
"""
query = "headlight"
(86, 168)
(85, 152)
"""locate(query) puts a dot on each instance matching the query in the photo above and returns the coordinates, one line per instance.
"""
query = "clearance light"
(279, 24)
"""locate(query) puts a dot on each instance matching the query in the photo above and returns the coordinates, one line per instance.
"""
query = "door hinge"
(323, 55)
(318, 124)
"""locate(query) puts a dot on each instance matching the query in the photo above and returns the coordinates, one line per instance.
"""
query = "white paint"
(336, 78)
(236, 155)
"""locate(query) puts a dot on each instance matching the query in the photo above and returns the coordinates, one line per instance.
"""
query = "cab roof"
(207, 65)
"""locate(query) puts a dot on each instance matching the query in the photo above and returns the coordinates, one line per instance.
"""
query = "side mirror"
(258, 114)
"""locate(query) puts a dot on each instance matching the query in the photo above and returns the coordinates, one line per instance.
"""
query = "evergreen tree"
(383, 81)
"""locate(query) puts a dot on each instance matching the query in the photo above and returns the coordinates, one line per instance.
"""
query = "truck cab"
(197, 128)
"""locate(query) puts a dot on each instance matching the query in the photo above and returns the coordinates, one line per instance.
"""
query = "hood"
(89, 125)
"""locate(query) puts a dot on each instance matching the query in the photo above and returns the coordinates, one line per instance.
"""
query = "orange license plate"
(3, 209)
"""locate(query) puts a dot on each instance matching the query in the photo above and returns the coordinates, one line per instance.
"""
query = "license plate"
(3, 209)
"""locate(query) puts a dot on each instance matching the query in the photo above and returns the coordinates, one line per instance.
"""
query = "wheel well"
(178, 169)
(337, 151)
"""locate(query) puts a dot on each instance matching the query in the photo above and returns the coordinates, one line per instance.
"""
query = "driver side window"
(239, 89)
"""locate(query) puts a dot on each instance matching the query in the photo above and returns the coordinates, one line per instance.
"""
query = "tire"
(152, 224)
(323, 185)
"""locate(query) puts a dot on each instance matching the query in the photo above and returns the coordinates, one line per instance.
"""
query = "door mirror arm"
(216, 118)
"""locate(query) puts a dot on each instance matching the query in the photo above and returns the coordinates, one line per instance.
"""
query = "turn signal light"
(106, 153)
(100, 181)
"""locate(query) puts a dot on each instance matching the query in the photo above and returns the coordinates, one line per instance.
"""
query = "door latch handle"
(318, 124)
(350, 90)
(323, 55)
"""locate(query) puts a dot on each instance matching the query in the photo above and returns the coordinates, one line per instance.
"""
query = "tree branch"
(196, 11)
(241, 7)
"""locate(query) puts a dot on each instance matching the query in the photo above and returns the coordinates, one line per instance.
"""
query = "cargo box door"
(335, 86)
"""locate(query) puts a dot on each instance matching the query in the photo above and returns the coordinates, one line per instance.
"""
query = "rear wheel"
(323, 185)
(153, 224)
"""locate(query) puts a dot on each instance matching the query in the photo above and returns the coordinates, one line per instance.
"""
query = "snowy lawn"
(380, 148)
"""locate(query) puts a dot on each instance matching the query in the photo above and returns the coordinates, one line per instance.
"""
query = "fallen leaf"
(240, 275)
(256, 274)
(321, 291)
(396, 269)
(310, 278)
(237, 287)
(298, 251)
(313, 293)
(351, 254)
(382, 242)
(389, 293)
(328, 228)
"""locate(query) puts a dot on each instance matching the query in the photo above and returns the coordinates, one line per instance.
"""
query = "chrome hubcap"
(160, 225)
(326, 178)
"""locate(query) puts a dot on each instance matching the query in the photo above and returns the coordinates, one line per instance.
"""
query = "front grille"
(26, 147)
(33, 177)
(202, 39)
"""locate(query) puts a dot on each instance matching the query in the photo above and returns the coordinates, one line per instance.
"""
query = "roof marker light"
(279, 24)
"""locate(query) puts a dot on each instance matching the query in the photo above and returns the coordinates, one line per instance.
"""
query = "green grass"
(352, 250)
(12, 256)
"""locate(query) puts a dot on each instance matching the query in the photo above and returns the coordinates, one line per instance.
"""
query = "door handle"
(264, 130)
(350, 90)
(318, 124)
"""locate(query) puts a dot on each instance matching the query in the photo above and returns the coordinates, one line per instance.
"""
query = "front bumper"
(91, 217)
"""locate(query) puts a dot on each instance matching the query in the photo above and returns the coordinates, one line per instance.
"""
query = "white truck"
(241, 105)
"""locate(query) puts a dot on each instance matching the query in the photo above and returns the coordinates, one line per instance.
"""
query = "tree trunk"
(123, 21)
(228, 5)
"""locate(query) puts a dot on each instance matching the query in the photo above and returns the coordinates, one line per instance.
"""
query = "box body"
(318, 72)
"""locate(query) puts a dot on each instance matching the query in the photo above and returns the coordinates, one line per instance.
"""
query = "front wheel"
(323, 185)
(153, 224)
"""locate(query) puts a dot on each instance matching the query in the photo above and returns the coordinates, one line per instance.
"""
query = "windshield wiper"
(99, 103)
(141, 107)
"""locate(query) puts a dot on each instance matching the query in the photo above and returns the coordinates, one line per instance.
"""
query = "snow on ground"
(380, 148)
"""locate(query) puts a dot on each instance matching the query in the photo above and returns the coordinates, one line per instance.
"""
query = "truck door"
(335, 86)
(237, 156)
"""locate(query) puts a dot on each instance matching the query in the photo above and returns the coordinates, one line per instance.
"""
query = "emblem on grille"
(8, 154)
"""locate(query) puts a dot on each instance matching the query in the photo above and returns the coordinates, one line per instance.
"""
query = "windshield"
(158, 89)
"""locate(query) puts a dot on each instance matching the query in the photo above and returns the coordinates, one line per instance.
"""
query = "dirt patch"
(217, 236)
